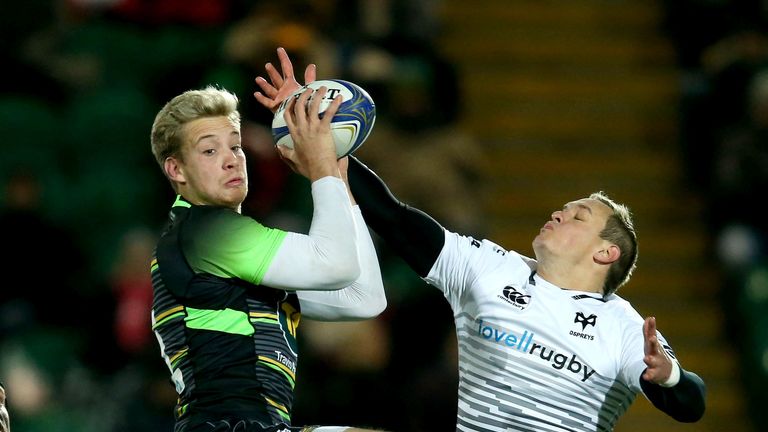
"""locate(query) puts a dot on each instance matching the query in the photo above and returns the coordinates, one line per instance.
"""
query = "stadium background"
(490, 115)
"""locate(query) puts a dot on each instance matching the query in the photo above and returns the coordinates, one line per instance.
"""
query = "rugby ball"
(350, 126)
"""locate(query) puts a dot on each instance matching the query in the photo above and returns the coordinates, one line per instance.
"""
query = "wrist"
(674, 377)
(321, 170)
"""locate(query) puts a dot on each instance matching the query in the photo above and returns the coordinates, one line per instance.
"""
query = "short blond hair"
(167, 139)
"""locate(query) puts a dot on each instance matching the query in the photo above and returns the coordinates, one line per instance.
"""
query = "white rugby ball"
(350, 126)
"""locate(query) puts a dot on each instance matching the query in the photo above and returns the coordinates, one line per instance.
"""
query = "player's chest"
(545, 327)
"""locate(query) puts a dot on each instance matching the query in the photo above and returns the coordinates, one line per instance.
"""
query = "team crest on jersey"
(514, 297)
(585, 321)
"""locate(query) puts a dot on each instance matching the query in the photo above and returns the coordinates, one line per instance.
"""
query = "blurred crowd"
(722, 52)
(83, 200)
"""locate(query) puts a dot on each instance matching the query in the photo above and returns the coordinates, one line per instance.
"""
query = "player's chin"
(233, 197)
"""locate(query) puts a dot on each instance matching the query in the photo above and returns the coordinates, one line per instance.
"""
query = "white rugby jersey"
(533, 356)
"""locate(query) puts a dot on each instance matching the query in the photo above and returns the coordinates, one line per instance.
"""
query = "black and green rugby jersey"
(230, 344)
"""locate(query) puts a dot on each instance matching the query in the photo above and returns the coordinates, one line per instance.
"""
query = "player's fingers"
(285, 64)
(653, 346)
(645, 328)
(314, 106)
(267, 102)
(267, 88)
(647, 335)
(310, 74)
(649, 375)
(332, 108)
(290, 116)
(652, 325)
(287, 156)
(300, 106)
(274, 75)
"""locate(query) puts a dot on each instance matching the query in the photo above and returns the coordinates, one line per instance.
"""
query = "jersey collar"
(181, 202)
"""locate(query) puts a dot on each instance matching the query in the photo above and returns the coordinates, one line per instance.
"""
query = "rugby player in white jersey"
(545, 344)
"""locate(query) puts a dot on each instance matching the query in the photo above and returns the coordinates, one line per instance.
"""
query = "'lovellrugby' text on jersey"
(229, 343)
(533, 356)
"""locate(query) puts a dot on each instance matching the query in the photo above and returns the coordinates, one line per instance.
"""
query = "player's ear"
(607, 255)
(174, 170)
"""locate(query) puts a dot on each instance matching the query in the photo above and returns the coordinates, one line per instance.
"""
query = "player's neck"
(573, 278)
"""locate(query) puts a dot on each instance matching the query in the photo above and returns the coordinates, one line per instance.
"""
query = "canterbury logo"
(585, 321)
(516, 298)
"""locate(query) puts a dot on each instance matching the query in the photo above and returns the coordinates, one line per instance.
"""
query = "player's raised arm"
(364, 298)
(319, 259)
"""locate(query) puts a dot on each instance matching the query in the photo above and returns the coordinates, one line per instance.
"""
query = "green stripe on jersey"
(224, 320)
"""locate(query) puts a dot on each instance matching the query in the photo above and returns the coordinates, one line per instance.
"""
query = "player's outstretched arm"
(411, 233)
(677, 392)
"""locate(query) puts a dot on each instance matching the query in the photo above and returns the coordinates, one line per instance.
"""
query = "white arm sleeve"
(327, 257)
(363, 299)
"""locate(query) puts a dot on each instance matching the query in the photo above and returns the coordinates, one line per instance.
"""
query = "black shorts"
(241, 426)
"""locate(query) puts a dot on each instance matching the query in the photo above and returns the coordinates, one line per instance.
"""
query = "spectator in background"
(41, 311)
(722, 51)
(132, 288)
(33, 238)
(431, 161)
(21, 31)
(716, 44)
(741, 177)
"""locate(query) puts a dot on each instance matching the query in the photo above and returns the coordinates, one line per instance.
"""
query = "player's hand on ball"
(351, 123)
(280, 86)
(314, 152)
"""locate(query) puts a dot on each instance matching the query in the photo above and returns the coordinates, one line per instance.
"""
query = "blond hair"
(167, 138)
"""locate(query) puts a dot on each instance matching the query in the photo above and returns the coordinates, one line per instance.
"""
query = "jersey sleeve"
(326, 258)
(363, 299)
(227, 244)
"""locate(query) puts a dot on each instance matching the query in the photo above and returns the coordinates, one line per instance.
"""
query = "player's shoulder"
(206, 211)
(487, 246)
(215, 215)
(622, 309)
(486, 254)
(210, 225)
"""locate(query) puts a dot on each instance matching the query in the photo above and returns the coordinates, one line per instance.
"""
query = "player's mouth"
(235, 182)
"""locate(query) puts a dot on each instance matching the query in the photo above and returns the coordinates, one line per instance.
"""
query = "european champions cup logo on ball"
(352, 123)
